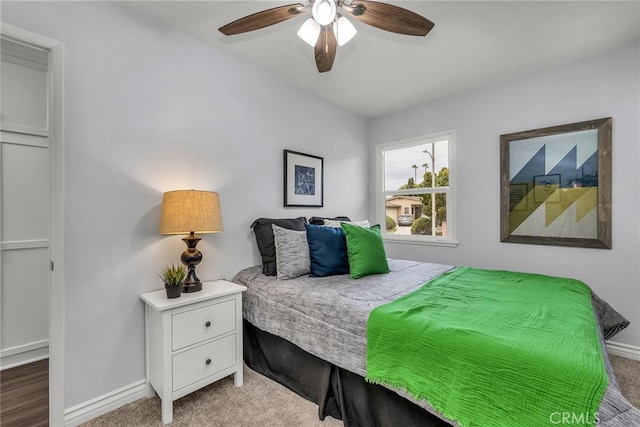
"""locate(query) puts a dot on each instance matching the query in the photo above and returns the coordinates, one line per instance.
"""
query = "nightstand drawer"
(200, 362)
(194, 326)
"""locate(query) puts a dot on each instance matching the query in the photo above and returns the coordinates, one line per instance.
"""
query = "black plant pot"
(173, 291)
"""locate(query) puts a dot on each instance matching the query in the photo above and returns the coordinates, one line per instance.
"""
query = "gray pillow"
(264, 239)
(611, 322)
(319, 220)
(292, 253)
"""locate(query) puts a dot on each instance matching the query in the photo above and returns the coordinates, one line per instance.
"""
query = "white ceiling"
(473, 44)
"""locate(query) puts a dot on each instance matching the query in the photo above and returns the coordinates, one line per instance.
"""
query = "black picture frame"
(303, 180)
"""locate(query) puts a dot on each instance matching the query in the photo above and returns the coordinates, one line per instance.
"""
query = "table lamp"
(191, 211)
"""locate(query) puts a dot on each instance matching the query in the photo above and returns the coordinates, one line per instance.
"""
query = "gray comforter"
(327, 317)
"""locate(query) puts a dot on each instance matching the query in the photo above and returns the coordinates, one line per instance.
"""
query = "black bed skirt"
(338, 393)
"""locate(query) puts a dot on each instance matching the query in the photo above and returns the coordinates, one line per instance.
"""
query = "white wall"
(604, 86)
(147, 110)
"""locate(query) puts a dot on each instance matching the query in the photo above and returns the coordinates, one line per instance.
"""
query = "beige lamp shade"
(184, 211)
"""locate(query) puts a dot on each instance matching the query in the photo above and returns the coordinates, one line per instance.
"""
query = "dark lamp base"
(191, 287)
(190, 258)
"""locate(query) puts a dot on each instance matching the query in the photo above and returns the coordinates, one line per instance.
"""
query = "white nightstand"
(192, 341)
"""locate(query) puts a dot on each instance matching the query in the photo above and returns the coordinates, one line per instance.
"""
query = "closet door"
(24, 204)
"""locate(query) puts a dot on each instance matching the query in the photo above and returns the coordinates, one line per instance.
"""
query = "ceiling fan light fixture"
(309, 32)
(324, 11)
(344, 30)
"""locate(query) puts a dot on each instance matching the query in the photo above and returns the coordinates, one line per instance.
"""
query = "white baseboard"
(108, 402)
(93, 408)
(623, 350)
(23, 354)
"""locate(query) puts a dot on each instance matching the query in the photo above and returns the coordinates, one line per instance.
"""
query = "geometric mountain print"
(554, 185)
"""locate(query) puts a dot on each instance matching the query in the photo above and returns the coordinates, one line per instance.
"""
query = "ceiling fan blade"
(262, 19)
(325, 49)
(389, 17)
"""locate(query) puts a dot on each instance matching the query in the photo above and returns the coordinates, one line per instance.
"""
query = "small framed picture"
(303, 179)
(546, 188)
(518, 197)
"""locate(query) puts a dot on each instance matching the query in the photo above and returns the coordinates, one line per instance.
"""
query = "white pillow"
(336, 224)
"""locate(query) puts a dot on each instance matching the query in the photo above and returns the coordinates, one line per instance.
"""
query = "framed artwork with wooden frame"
(555, 185)
(303, 180)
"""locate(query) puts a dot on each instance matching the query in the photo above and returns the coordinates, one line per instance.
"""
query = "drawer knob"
(208, 362)
(207, 324)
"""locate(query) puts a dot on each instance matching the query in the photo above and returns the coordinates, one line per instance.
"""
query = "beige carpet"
(628, 374)
(261, 402)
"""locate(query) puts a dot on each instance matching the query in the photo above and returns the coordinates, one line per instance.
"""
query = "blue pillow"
(327, 250)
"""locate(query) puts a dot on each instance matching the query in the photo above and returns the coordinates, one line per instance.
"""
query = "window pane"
(411, 167)
(413, 214)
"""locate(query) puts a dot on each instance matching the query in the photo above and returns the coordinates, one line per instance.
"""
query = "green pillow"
(365, 250)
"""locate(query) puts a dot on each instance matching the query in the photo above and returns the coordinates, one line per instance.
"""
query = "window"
(418, 204)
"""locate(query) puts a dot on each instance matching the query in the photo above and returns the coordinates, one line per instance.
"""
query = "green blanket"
(492, 348)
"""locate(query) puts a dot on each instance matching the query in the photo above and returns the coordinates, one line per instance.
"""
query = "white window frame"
(451, 238)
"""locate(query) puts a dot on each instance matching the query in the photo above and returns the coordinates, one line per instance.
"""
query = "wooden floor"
(24, 395)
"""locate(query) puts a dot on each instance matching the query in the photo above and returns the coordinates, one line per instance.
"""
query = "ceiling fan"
(328, 28)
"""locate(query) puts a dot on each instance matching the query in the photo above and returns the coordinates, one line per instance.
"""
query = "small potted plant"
(172, 276)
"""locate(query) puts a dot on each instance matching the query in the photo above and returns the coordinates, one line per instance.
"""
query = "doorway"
(31, 208)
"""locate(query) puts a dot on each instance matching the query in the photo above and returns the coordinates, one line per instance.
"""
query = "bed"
(380, 342)
(309, 334)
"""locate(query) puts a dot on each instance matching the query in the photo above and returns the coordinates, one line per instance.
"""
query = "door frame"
(56, 242)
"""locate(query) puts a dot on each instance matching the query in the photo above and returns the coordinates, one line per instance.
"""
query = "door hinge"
(51, 265)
